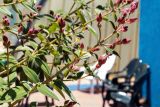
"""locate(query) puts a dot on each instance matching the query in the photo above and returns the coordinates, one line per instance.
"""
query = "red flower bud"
(128, 1)
(129, 21)
(95, 49)
(102, 59)
(125, 41)
(112, 46)
(6, 42)
(98, 66)
(81, 45)
(5, 38)
(61, 22)
(121, 20)
(99, 18)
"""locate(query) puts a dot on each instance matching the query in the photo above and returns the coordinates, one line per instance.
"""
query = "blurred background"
(145, 36)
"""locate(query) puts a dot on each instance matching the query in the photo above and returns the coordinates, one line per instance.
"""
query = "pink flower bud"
(117, 42)
(125, 11)
(134, 6)
(30, 31)
(118, 2)
(20, 28)
(6, 21)
(123, 28)
(75, 68)
(39, 7)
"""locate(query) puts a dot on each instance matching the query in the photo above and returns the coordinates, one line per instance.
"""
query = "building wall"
(149, 44)
(127, 52)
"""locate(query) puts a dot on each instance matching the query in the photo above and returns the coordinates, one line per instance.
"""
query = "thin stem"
(100, 33)
(72, 7)
(79, 8)
(8, 67)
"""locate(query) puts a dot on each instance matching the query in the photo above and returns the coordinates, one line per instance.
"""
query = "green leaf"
(28, 6)
(44, 66)
(58, 90)
(111, 3)
(33, 44)
(41, 37)
(5, 11)
(113, 25)
(86, 55)
(91, 30)
(30, 74)
(12, 77)
(57, 60)
(63, 87)
(33, 104)
(53, 28)
(46, 91)
(24, 48)
(115, 16)
(100, 7)
(81, 16)
(111, 51)
(3, 84)
(13, 94)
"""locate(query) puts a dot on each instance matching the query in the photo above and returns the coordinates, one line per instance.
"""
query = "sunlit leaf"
(47, 91)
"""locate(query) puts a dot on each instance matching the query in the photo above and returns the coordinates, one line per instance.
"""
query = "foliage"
(23, 65)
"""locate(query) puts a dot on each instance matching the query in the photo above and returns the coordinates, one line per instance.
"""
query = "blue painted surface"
(150, 44)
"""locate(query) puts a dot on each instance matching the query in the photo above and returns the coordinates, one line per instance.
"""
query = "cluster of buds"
(131, 9)
(6, 21)
(119, 42)
(99, 19)
(102, 60)
(126, 11)
(32, 32)
(61, 23)
(6, 42)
